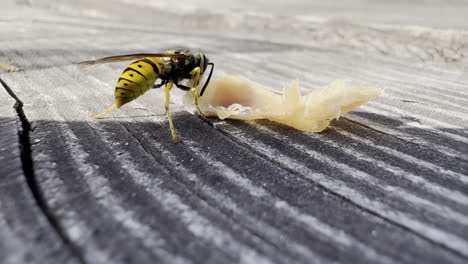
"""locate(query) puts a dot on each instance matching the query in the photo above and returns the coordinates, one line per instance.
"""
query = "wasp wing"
(128, 57)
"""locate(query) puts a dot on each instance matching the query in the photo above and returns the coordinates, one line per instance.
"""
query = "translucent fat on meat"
(235, 98)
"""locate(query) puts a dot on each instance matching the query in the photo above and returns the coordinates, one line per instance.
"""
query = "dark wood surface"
(387, 183)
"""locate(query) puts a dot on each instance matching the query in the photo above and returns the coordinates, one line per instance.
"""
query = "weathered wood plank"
(418, 30)
(138, 155)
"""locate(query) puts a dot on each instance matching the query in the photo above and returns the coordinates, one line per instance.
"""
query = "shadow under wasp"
(172, 67)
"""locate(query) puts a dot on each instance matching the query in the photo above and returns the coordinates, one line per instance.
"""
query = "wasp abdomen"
(137, 79)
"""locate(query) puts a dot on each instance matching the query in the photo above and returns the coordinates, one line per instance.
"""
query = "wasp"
(171, 67)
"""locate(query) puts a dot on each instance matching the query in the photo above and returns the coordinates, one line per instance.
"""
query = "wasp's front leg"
(196, 77)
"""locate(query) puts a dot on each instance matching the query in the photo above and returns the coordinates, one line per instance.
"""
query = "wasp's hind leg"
(168, 114)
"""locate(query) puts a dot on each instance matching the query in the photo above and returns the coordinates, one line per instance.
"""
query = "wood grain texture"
(386, 184)
(26, 234)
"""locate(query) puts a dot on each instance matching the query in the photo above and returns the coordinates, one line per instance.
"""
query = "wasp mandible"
(172, 67)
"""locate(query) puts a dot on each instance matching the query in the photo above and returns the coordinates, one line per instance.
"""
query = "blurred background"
(435, 13)
(391, 28)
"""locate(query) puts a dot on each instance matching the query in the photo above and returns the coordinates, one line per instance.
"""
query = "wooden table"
(387, 183)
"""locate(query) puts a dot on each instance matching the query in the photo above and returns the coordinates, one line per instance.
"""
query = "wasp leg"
(196, 77)
(168, 114)
(195, 93)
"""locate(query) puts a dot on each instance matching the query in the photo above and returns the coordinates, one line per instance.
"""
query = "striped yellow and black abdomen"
(137, 79)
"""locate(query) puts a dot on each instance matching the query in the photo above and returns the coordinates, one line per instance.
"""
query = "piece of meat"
(235, 98)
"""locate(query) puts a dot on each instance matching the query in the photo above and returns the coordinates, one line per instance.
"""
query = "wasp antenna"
(82, 65)
(208, 79)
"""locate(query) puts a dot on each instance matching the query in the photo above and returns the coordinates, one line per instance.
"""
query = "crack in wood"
(28, 170)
